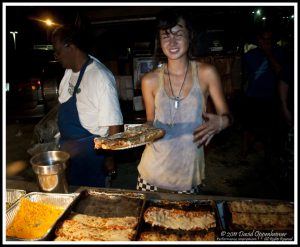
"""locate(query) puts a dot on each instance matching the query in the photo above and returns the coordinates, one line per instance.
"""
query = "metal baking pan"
(230, 226)
(13, 195)
(109, 203)
(186, 205)
(65, 201)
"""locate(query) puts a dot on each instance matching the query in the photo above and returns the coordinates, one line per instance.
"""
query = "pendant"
(176, 103)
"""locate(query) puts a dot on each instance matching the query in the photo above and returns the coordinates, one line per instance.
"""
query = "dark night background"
(112, 27)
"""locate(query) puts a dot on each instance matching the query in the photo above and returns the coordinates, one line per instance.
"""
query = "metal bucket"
(50, 168)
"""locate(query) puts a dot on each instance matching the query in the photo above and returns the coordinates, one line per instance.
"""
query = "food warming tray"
(110, 204)
(106, 203)
(60, 200)
(186, 205)
(12, 195)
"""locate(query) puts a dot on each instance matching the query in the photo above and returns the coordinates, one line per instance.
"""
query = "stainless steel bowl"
(50, 168)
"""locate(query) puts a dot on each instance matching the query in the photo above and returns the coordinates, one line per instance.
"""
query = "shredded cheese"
(33, 219)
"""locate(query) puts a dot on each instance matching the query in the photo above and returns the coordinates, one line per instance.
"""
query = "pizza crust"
(187, 236)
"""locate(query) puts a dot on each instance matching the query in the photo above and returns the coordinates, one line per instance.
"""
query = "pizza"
(178, 219)
(260, 207)
(132, 137)
(114, 222)
(81, 227)
(72, 230)
(186, 236)
(261, 215)
(263, 221)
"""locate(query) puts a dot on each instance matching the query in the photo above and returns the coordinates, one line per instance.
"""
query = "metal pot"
(50, 168)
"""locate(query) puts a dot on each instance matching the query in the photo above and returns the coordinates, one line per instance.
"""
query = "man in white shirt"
(89, 107)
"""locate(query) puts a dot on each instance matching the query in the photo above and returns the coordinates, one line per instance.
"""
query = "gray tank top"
(174, 162)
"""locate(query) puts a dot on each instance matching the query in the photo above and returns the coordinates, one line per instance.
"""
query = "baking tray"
(109, 203)
(287, 232)
(65, 201)
(13, 195)
(187, 205)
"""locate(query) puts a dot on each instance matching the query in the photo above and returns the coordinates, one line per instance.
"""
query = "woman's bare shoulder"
(205, 67)
(151, 77)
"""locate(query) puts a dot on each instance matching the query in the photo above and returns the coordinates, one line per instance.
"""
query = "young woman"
(175, 98)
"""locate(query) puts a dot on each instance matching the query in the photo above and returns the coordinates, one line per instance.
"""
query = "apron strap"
(82, 70)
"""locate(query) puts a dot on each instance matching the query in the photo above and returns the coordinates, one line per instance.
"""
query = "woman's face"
(175, 41)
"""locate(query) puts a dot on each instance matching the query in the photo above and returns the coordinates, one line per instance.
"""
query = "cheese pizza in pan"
(261, 215)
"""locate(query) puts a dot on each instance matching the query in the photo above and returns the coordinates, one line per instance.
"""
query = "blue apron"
(86, 165)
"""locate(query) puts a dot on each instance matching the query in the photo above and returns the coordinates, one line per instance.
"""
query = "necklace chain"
(177, 97)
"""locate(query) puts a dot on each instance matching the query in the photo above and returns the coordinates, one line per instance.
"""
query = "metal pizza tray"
(229, 226)
(13, 195)
(109, 203)
(186, 205)
(65, 201)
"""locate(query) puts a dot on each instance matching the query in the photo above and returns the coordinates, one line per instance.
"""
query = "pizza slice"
(261, 215)
(132, 137)
(179, 219)
(72, 230)
(187, 236)
(263, 221)
(127, 222)
(260, 207)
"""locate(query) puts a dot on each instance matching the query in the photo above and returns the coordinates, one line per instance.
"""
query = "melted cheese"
(179, 219)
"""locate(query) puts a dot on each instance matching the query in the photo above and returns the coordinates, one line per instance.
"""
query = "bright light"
(49, 22)
(292, 16)
(258, 12)
(264, 18)
(14, 36)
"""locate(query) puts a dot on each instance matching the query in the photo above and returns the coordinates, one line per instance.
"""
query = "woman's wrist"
(225, 121)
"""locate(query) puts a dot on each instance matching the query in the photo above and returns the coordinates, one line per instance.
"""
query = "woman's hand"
(212, 125)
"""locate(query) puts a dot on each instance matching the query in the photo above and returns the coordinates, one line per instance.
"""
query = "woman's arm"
(213, 123)
(149, 87)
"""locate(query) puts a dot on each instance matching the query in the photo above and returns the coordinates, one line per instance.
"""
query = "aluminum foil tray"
(65, 201)
(12, 196)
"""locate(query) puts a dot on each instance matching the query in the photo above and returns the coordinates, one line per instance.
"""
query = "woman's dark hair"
(70, 34)
(169, 18)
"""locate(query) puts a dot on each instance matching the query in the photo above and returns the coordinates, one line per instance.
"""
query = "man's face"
(265, 41)
(61, 52)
